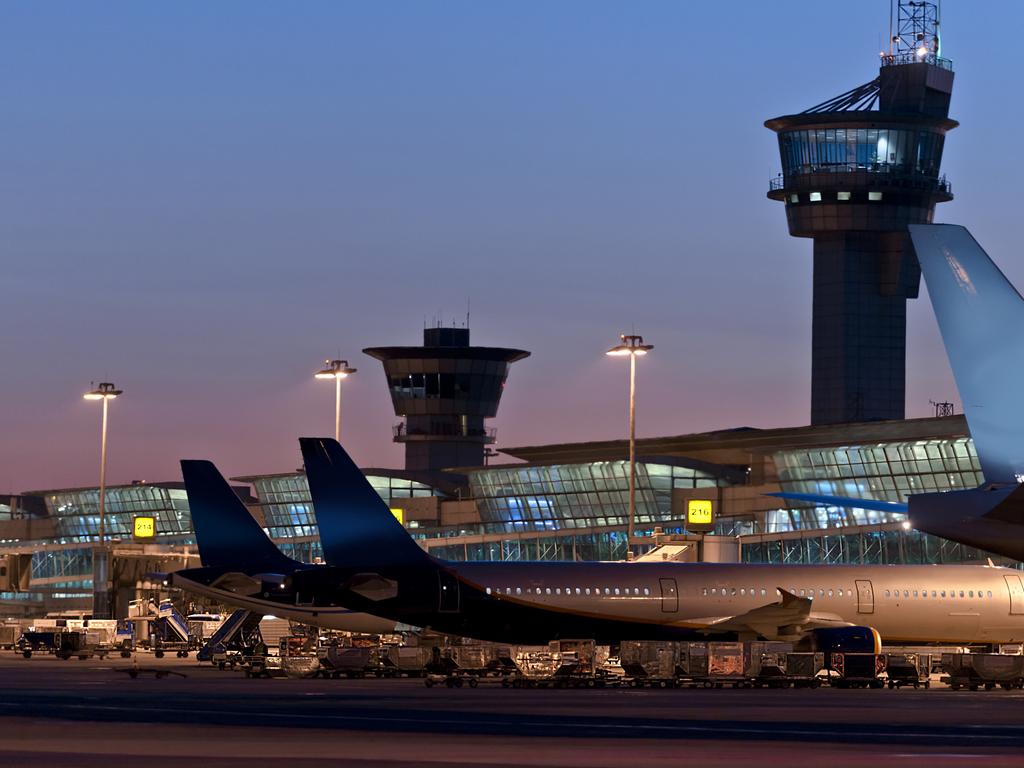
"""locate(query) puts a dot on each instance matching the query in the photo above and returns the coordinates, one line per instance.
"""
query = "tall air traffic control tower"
(856, 170)
(444, 390)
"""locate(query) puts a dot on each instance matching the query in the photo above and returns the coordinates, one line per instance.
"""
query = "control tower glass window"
(843, 150)
(446, 386)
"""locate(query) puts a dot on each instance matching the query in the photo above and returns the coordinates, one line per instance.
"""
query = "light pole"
(337, 370)
(634, 347)
(106, 392)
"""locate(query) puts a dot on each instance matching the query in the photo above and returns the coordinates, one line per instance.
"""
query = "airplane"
(979, 314)
(242, 566)
(373, 565)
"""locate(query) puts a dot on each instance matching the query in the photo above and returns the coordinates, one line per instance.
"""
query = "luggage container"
(650, 663)
(976, 670)
(802, 669)
(338, 661)
(39, 641)
(857, 670)
(9, 635)
(908, 669)
(407, 661)
(726, 665)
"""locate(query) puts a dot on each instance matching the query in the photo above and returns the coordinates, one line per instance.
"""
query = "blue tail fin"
(227, 535)
(981, 317)
(356, 527)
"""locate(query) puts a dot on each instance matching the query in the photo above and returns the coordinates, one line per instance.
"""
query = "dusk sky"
(202, 201)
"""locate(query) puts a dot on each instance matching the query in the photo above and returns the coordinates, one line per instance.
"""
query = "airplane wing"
(790, 616)
(843, 501)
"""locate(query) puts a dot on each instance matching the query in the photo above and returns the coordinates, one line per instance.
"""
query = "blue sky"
(201, 201)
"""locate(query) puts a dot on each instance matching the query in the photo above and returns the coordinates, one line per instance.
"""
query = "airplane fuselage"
(537, 602)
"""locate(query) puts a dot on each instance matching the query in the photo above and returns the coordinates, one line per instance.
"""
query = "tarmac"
(89, 713)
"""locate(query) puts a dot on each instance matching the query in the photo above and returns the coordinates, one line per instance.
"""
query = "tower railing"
(878, 176)
(912, 57)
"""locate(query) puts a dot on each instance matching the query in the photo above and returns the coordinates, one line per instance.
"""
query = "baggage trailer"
(857, 670)
(649, 663)
(561, 664)
(405, 661)
(727, 665)
(976, 670)
(338, 661)
(80, 643)
(39, 641)
(908, 669)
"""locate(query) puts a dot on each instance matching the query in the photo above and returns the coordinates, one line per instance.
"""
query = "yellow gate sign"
(399, 514)
(145, 527)
(700, 513)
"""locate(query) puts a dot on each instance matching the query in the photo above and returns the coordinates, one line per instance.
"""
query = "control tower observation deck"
(445, 389)
(856, 170)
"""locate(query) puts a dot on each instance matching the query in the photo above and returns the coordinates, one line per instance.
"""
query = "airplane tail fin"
(981, 317)
(356, 527)
(226, 534)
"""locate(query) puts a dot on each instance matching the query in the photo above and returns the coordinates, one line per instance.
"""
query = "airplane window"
(647, 590)
(488, 590)
(990, 593)
(971, 593)
(714, 590)
(934, 594)
(961, 593)
(886, 592)
(733, 591)
(943, 593)
(840, 593)
(763, 592)
(831, 595)
(558, 590)
(539, 590)
(519, 590)
(924, 593)
(587, 590)
(915, 593)
(616, 590)
(979, 593)
(547, 590)
(578, 590)
(636, 590)
(778, 592)
(704, 591)
(802, 593)
(906, 593)
(743, 590)
(607, 591)
(821, 593)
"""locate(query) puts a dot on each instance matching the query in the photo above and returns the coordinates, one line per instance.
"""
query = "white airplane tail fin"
(981, 318)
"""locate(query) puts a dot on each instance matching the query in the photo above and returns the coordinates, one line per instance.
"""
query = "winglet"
(226, 534)
(356, 527)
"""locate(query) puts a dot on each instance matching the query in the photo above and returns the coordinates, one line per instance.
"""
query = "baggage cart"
(726, 665)
(908, 669)
(338, 661)
(977, 670)
(857, 670)
(649, 663)
(802, 669)
(39, 641)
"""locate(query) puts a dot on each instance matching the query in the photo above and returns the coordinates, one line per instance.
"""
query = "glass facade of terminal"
(584, 495)
(892, 150)
(882, 472)
(288, 514)
(78, 519)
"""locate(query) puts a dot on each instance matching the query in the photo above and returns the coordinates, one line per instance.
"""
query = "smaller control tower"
(444, 390)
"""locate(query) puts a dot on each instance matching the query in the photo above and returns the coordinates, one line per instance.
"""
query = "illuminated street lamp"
(106, 392)
(337, 370)
(634, 347)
